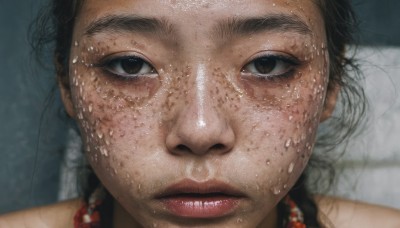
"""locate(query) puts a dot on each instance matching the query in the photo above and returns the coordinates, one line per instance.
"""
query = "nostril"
(183, 148)
(218, 146)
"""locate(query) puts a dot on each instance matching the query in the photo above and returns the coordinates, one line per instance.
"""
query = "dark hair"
(54, 28)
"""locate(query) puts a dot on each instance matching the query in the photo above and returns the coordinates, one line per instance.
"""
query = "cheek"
(283, 132)
(110, 117)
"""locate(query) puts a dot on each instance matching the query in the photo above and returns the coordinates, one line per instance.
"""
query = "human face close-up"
(198, 112)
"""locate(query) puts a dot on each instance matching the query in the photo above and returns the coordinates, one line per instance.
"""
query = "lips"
(191, 199)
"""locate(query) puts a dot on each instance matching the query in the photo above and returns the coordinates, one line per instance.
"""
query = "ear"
(330, 102)
(66, 97)
(64, 85)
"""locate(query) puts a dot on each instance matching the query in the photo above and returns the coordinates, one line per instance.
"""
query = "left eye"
(129, 66)
(270, 66)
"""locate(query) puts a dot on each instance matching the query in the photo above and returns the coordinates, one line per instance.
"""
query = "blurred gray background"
(33, 134)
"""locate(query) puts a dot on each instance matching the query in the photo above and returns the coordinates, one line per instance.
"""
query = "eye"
(128, 67)
(270, 66)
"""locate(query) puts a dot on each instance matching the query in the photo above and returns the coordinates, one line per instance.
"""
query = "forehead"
(201, 14)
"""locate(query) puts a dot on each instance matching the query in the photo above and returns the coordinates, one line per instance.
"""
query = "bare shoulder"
(55, 215)
(338, 212)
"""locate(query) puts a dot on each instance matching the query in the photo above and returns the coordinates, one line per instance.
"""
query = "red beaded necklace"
(88, 215)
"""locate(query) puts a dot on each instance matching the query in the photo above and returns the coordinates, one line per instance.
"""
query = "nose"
(200, 127)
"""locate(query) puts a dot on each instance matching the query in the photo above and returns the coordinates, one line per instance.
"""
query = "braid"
(304, 200)
(106, 207)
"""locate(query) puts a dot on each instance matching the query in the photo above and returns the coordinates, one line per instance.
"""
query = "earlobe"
(330, 103)
(66, 97)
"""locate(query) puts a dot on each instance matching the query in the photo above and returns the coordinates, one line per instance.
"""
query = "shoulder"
(56, 215)
(338, 212)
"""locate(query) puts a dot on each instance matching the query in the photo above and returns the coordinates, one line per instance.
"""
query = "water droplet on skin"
(100, 134)
(76, 43)
(111, 133)
(239, 220)
(80, 116)
(104, 151)
(288, 142)
(90, 108)
(75, 60)
(291, 166)
(276, 190)
(268, 162)
(290, 118)
(107, 142)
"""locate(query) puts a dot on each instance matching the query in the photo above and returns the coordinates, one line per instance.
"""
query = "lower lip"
(201, 207)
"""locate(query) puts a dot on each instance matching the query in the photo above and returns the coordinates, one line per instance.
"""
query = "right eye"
(128, 67)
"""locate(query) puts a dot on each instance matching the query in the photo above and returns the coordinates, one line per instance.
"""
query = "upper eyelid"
(278, 55)
(118, 56)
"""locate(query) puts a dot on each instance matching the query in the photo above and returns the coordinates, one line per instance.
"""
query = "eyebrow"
(130, 23)
(274, 22)
(223, 29)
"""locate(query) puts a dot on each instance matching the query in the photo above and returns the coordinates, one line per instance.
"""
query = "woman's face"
(198, 112)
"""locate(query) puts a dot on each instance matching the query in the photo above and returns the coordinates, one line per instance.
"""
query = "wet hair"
(52, 33)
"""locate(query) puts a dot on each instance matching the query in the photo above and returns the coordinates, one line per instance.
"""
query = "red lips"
(191, 199)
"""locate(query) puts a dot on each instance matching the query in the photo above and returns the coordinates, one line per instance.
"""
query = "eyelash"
(289, 63)
(114, 66)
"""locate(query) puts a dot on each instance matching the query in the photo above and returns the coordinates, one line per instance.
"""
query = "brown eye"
(132, 65)
(129, 66)
(270, 66)
(265, 65)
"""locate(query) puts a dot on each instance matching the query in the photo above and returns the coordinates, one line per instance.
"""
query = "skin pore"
(203, 91)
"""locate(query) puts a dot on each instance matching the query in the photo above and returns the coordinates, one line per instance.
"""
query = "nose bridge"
(201, 94)
(200, 127)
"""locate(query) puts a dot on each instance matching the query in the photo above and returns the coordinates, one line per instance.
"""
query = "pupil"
(265, 65)
(132, 65)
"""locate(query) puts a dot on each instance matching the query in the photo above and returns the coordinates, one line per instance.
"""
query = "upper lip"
(188, 186)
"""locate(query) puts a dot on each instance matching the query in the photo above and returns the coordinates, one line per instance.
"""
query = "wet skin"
(201, 91)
